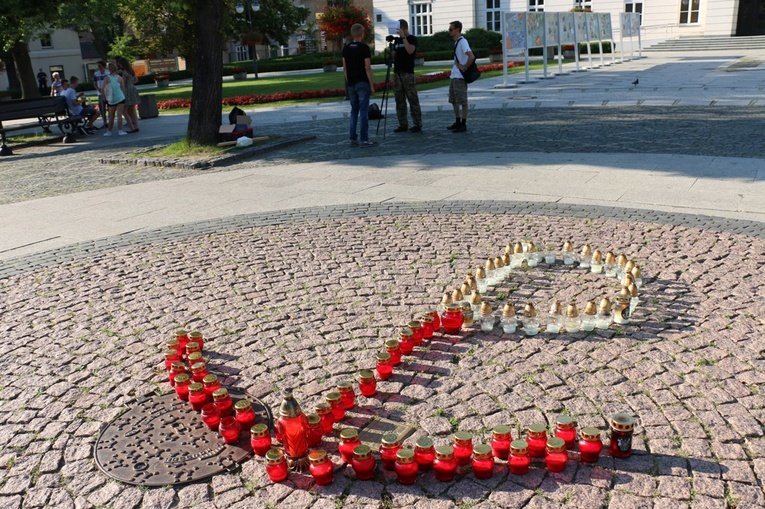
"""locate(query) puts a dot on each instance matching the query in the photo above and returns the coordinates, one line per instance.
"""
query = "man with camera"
(404, 48)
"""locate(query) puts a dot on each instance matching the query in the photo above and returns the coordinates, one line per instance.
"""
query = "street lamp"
(255, 6)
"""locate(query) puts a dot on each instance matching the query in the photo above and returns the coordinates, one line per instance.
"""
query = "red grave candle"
(463, 447)
(276, 465)
(384, 366)
(335, 401)
(321, 467)
(183, 338)
(191, 347)
(436, 321)
(223, 401)
(176, 369)
(406, 340)
(393, 348)
(417, 331)
(229, 429)
(174, 344)
(590, 445)
(345, 388)
(363, 463)
(315, 431)
(211, 416)
(292, 426)
(565, 428)
(388, 449)
(482, 461)
(424, 453)
(194, 358)
(211, 384)
(406, 466)
(182, 383)
(244, 413)
(556, 456)
(260, 439)
(196, 337)
(519, 457)
(349, 440)
(622, 428)
(445, 465)
(367, 383)
(324, 410)
(536, 436)
(501, 437)
(199, 371)
(452, 319)
(197, 396)
(427, 326)
(171, 356)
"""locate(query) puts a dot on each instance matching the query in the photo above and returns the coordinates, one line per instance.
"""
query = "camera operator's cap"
(403, 23)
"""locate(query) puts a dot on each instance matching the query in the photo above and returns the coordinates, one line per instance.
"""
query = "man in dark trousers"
(357, 68)
(458, 89)
(42, 83)
(404, 84)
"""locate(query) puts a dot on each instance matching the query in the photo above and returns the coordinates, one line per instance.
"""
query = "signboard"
(567, 28)
(536, 29)
(580, 20)
(163, 65)
(606, 31)
(515, 30)
(592, 26)
(551, 25)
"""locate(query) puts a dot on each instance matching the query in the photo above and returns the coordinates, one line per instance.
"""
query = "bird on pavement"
(637, 80)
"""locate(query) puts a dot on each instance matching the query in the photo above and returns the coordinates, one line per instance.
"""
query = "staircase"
(710, 43)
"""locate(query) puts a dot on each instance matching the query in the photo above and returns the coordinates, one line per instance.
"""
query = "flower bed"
(244, 100)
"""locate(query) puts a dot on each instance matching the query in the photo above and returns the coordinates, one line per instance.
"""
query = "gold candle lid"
(196, 387)
(482, 452)
(518, 248)
(633, 289)
(446, 299)
(572, 311)
(610, 257)
(629, 266)
(555, 308)
(591, 434)
(406, 332)
(486, 308)
(475, 298)
(392, 344)
(509, 310)
(624, 296)
(457, 295)
(344, 386)
(210, 379)
(465, 289)
(537, 430)
(242, 404)
(605, 304)
(318, 457)
(480, 273)
(195, 334)
(333, 398)
(462, 437)
(219, 394)
(520, 447)
(362, 452)
(349, 435)
(627, 279)
(414, 325)
(261, 430)
(509, 248)
(622, 422)
(454, 307)
(390, 440)
(424, 443)
(498, 263)
(383, 357)
(529, 311)
(366, 375)
(489, 264)
(405, 456)
(532, 248)
(565, 422)
(502, 432)
(274, 456)
(586, 250)
(635, 272)
(470, 280)
(621, 260)
(506, 259)
(314, 420)
(182, 379)
(323, 408)
(426, 318)
(556, 444)
(591, 309)
(445, 452)
(597, 257)
(568, 247)
(289, 407)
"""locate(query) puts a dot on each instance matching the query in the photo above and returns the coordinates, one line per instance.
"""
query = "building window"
(421, 19)
(585, 5)
(45, 41)
(689, 11)
(536, 5)
(634, 6)
(492, 15)
(378, 18)
(242, 53)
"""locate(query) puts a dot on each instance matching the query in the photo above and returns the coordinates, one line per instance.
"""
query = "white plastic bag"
(244, 141)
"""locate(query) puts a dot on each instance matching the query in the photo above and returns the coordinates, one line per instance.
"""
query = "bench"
(46, 111)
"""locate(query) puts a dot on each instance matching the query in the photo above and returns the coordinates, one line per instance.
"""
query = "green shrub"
(482, 38)
(439, 41)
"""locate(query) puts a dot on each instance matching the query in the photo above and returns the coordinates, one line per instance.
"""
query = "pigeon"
(637, 80)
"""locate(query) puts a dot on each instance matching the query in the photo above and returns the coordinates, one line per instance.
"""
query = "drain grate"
(162, 441)
(372, 433)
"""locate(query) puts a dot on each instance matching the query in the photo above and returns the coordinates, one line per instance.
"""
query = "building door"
(751, 17)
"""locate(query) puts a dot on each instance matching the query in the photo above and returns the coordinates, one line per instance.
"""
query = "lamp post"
(254, 7)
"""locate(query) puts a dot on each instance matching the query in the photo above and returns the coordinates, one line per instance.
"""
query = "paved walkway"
(297, 267)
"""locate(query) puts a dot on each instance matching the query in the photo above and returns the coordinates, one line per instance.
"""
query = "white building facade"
(661, 19)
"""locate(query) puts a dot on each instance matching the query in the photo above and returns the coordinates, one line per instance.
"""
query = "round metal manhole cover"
(162, 441)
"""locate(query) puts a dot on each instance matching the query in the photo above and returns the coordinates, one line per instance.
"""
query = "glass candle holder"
(452, 319)
(229, 430)
(276, 465)
(609, 264)
(555, 318)
(406, 340)
(199, 371)
(589, 318)
(335, 401)
(549, 254)
(427, 326)
(292, 428)
(393, 347)
(622, 428)
(463, 446)
(573, 322)
(260, 439)
(467, 314)
(621, 308)
(388, 449)
(445, 301)
(418, 333)
(182, 383)
(567, 253)
(196, 337)
(519, 457)
(565, 429)
(556, 455)
(223, 401)
(491, 272)
(324, 411)
(445, 465)
(171, 356)
(349, 440)
(475, 303)
(321, 468)
(183, 338)
(530, 320)
(501, 436)
(176, 368)
(487, 317)
(384, 366)
(347, 395)
(596, 262)
(436, 321)
(406, 467)
(590, 445)
(509, 322)
(532, 256)
(367, 383)
(638, 276)
(517, 258)
(536, 437)
(315, 431)
(197, 396)
(482, 462)
(585, 256)
(244, 413)
(424, 453)
(211, 384)
(363, 463)
(194, 358)
(604, 316)
(211, 416)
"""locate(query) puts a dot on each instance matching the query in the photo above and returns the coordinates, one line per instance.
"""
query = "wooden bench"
(46, 112)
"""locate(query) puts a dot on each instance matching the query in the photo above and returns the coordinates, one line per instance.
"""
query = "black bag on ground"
(374, 112)
(236, 112)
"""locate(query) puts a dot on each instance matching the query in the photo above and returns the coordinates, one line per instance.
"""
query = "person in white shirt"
(74, 104)
(458, 96)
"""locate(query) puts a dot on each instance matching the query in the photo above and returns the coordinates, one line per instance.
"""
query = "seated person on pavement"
(74, 103)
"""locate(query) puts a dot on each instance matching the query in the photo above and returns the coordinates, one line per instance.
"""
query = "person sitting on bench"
(75, 106)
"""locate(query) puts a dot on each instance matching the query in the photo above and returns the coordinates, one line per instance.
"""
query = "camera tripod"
(386, 91)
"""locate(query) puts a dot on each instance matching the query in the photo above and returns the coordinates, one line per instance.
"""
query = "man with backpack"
(357, 68)
(458, 88)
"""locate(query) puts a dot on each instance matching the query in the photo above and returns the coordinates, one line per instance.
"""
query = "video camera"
(392, 38)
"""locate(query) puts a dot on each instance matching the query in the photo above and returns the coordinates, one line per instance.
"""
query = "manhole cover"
(162, 441)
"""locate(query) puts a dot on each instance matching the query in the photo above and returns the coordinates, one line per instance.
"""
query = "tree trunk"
(207, 92)
(24, 71)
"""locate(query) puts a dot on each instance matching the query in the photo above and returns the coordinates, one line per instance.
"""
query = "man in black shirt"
(404, 84)
(357, 68)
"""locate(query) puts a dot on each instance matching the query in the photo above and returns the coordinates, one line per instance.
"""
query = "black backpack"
(374, 112)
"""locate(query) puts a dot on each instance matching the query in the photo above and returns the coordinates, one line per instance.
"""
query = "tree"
(336, 22)
(276, 20)
(160, 27)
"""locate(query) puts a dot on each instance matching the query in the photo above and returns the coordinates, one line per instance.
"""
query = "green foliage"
(275, 22)
(336, 21)
(482, 38)
(124, 46)
(439, 41)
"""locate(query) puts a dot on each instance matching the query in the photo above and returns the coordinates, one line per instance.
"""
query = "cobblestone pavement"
(709, 131)
(304, 304)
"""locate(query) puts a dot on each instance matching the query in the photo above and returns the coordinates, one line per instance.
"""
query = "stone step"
(709, 44)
